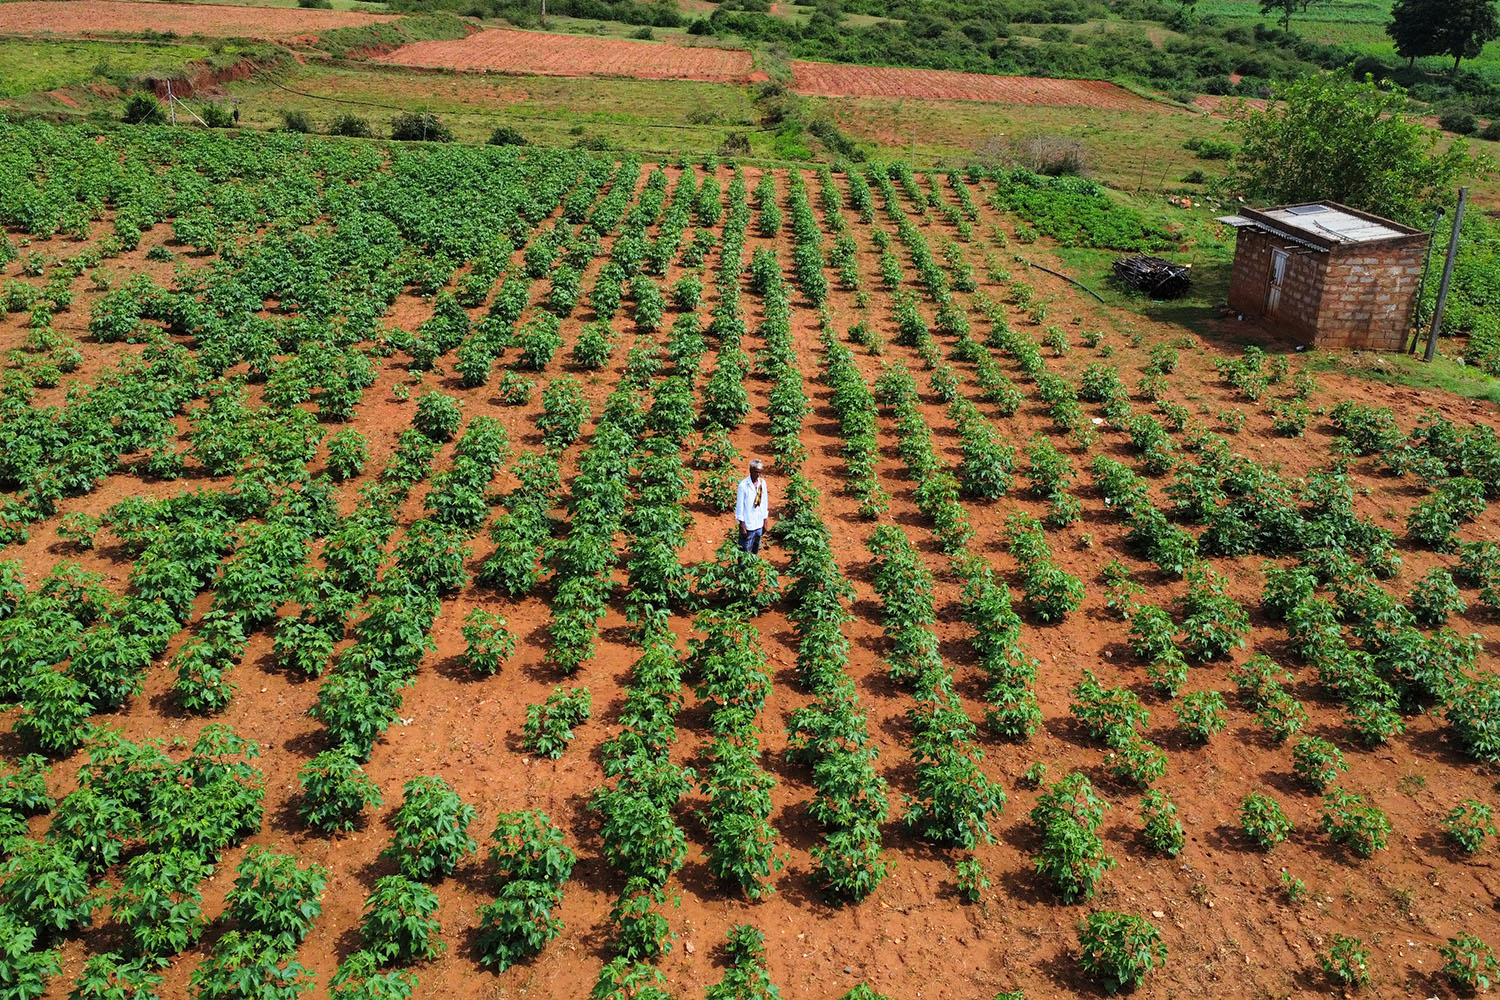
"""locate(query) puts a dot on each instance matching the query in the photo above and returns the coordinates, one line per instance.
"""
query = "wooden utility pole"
(1442, 296)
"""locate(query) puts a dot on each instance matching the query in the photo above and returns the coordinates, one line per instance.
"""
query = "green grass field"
(664, 118)
(29, 66)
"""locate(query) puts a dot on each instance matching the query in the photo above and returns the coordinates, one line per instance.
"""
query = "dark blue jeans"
(751, 542)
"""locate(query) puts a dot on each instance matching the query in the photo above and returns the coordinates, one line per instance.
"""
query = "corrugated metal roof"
(1332, 223)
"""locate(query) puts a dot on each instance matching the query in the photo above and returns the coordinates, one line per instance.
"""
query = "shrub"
(1263, 821)
(297, 120)
(419, 126)
(1434, 597)
(347, 452)
(351, 126)
(487, 642)
(1162, 833)
(159, 901)
(564, 412)
(274, 897)
(47, 888)
(1347, 961)
(431, 830)
(1348, 819)
(400, 923)
(1072, 856)
(24, 967)
(1469, 963)
(518, 924)
(504, 135)
(143, 109)
(549, 726)
(335, 790)
(1468, 824)
(1200, 715)
(106, 977)
(1473, 714)
(971, 879)
(438, 416)
(1117, 950)
(1460, 121)
(217, 115)
(1317, 762)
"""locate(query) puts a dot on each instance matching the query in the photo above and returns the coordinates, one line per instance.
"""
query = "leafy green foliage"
(549, 726)
(1469, 963)
(1347, 961)
(1117, 950)
(274, 897)
(1469, 824)
(400, 922)
(487, 642)
(1263, 821)
(431, 830)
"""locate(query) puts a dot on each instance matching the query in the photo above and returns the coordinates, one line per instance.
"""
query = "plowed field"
(92, 17)
(829, 80)
(506, 51)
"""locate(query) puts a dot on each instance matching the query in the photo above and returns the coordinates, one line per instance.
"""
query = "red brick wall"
(1370, 297)
(1301, 284)
(1352, 297)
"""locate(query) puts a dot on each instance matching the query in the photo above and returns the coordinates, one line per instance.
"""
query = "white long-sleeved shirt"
(752, 504)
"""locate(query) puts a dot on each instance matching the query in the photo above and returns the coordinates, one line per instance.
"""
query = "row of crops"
(239, 378)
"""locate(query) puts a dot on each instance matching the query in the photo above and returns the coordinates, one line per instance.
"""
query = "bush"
(431, 830)
(1200, 715)
(24, 967)
(1263, 821)
(105, 977)
(143, 109)
(335, 790)
(1347, 961)
(549, 726)
(1317, 762)
(351, 126)
(217, 115)
(47, 888)
(438, 416)
(1468, 824)
(347, 452)
(1348, 819)
(487, 642)
(316, 4)
(159, 901)
(971, 879)
(274, 897)
(1460, 121)
(1162, 833)
(1469, 963)
(507, 136)
(296, 120)
(1117, 950)
(400, 924)
(419, 126)
(1491, 131)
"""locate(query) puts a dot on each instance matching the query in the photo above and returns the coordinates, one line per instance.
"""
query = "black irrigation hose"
(1069, 280)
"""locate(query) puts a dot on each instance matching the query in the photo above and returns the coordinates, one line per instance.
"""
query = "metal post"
(171, 104)
(1416, 313)
(1442, 296)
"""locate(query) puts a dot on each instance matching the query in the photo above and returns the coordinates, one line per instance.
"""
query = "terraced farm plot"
(837, 80)
(506, 51)
(367, 537)
(100, 17)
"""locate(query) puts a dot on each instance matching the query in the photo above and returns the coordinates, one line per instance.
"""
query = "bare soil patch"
(829, 80)
(501, 50)
(95, 17)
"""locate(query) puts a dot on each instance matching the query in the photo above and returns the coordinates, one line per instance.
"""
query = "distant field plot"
(29, 66)
(631, 114)
(830, 80)
(507, 51)
(87, 17)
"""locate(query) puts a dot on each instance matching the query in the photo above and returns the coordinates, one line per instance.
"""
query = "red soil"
(1219, 906)
(502, 50)
(830, 80)
(93, 17)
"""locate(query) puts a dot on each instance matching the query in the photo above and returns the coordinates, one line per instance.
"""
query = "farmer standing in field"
(752, 508)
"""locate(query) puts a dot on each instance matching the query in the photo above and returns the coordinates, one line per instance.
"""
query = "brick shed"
(1327, 275)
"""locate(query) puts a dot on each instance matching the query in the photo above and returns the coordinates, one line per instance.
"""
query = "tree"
(1457, 28)
(1284, 9)
(1326, 136)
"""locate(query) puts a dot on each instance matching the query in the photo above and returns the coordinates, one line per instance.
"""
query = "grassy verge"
(29, 66)
(416, 28)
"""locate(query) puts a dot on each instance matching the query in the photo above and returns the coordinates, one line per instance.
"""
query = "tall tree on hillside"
(1326, 136)
(1410, 28)
(1457, 28)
